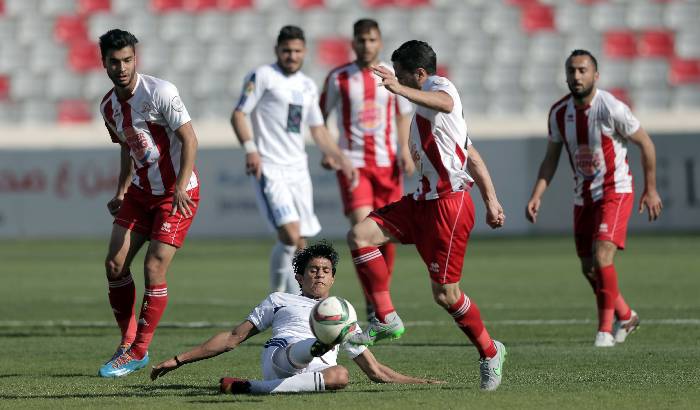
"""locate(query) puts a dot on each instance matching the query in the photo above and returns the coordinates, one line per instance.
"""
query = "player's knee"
(114, 268)
(153, 268)
(356, 237)
(604, 253)
(441, 299)
(288, 238)
(336, 377)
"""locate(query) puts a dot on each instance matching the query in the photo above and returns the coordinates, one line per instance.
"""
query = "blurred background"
(58, 168)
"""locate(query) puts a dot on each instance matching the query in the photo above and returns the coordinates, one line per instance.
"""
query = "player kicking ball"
(292, 360)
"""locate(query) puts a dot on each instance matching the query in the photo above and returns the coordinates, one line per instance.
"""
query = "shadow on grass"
(4, 376)
(185, 389)
(69, 375)
(46, 334)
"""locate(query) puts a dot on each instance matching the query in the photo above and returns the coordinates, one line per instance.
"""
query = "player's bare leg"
(467, 316)
(356, 216)
(364, 240)
(281, 274)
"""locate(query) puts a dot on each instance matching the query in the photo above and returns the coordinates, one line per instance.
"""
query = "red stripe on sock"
(151, 311)
(471, 324)
(374, 277)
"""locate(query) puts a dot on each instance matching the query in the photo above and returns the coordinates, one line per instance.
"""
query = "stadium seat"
(90, 7)
(64, 85)
(536, 77)
(307, 4)
(685, 71)
(373, 4)
(100, 23)
(502, 77)
(412, 3)
(464, 22)
(333, 52)
(568, 16)
(235, 5)
(167, 6)
(188, 55)
(2, 8)
(209, 26)
(320, 22)
(537, 17)
(223, 55)
(124, 7)
(95, 86)
(70, 28)
(651, 99)
(644, 15)
(8, 28)
(199, 6)
(55, 8)
(32, 26)
(614, 73)
(506, 102)
(475, 49)
(688, 44)
(548, 48)
(37, 111)
(510, 49)
(14, 8)
(4, 87)
(26, 86)
(422, 22)
(84, 56)
(539, 101)
(44, 56)
(74, 111)
(176, 26)
(153, 57)
(686, 97)
(209, 83)
(608, 16)
(656, 44)
(621, 94)
(619, 44)
(649, 72)
(681, 15)
(474, 101)
(500, 18)
(275, 21)
(144, 25)
(9, 112)
(590, 41)
(14, 58)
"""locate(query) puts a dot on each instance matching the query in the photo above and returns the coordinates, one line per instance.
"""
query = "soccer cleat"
(234, 385)
(318, 349)
(492, 369)
(376, 331)
(623, 328)
(370, 311)
(604, 339)
(122, 365)
(120, 351)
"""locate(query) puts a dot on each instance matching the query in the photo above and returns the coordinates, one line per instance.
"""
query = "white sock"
(300, 353)
(303, 382)
(281, 266)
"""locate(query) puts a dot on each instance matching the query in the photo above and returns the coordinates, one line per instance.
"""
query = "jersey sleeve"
(351, 350)
(112, 134)
(624, 121)
(403, 105)
(553, 134)
(171, 106)
(261, 316)
(254, 86)
(314, 117)
(329, 95)
(443, 84)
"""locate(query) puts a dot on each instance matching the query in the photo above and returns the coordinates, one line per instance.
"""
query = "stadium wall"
(63, 192)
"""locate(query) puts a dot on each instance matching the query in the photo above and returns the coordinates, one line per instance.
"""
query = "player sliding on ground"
(438, 217)
(293, 360)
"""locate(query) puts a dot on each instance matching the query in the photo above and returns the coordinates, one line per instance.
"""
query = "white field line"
(206, 324)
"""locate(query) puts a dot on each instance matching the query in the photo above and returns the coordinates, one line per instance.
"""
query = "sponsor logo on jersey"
(369, 117)
(140, 144)
(588, 162)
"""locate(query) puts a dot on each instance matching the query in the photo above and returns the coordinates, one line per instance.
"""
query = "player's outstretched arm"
(126, 168)
(495, 218)
(181, 200)
(223, 342)
(330, 149)
(380, 373)
(650, 200)
(547, 169)
(253, 164)
(435, 100)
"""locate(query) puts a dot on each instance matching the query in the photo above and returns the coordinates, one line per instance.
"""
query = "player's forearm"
(649, 165)
(187, 157)
(544, 177)
(241, 127)
(390, 375)
(326, 145)
(221, 343)
(403, 127)
(477, 169)
(125, 172)
(435, 100)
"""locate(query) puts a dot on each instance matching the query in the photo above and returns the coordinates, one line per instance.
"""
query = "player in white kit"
(292, 359)
(281, 101)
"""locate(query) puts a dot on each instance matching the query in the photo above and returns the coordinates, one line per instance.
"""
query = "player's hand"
(389, 80)
(651, 201)
(253, 164)
(182, 203)
(495, 218)
(329, 163)
(406, 162)
(350, 172)
(114, 205)
(162, 368)
(531, 210)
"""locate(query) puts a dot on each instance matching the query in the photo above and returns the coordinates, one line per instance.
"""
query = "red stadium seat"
(522, 3)
(684, 71)
(2, 7)
(70, 29)
(87, 7)
(308, 4)
(373, 4)
(333, 51)
(84, 56)
(442, 71)
(167, 6)
(621, 94)
(411, 3)
(591, 2)
(537, 17)
(656, 43)
(232, 5)
(198, 6)
(4, 88)
(620, 44)
(74, 111)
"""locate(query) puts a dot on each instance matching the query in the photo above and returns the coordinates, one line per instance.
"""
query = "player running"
(595, 127)
(157, 202)
(292, 360)
(438, 217)
(280, 101)
(369, 117)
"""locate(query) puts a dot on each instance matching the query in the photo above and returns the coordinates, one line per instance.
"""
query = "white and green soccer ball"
(332, 319)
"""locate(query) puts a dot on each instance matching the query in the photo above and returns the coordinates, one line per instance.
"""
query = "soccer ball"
(332, 319)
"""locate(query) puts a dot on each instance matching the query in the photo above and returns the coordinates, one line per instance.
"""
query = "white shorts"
(287, 196)
(276, 365)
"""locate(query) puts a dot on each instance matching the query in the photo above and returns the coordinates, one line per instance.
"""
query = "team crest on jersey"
(147, 108)
(369, 117)
(176, 104)
(588, 162)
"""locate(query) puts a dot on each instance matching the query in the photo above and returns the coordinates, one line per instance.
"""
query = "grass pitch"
(56, 329)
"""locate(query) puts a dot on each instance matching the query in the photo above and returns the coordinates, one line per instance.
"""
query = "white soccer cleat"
(623, 328)
(492, 369)
(604, 339)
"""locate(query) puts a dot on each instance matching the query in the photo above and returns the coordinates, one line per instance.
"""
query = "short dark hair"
(363, 26)
(116, 39)
(415, 54)
(321, 249)
(290, 33)
(581, 52)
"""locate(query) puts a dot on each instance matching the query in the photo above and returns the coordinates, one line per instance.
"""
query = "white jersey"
(438, 144)
(595, 138)
(288, 316)
(280, 107)
(365, 113)
(146, 123)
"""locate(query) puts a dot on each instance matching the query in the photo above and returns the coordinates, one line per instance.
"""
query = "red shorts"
(378, 186)
(439, 228)
(605, 220)
(150, 215)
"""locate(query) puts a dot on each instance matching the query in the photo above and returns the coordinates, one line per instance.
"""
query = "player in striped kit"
(157, 202)
(438, 216)
(595, 127)
(369, 118)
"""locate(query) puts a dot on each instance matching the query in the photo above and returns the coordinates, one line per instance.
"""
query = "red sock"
(606, 296)
(389, 252)
(155, 299)
(622, 309)
(467, 316)
(122, 298)
(374, 276)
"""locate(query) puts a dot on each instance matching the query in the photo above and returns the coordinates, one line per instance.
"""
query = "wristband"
(177, 362)
(250, 147)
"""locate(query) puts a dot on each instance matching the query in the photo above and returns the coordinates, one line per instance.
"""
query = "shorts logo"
(434, 267)
(369, 117)
(603, 228)
(588, 162)
(165, 227)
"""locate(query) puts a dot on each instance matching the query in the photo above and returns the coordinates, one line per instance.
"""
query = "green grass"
(512, 279)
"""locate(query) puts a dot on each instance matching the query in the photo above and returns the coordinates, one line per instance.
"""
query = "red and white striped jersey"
(146, 123)
(438, 144)
(365, 114)
(595, 138)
